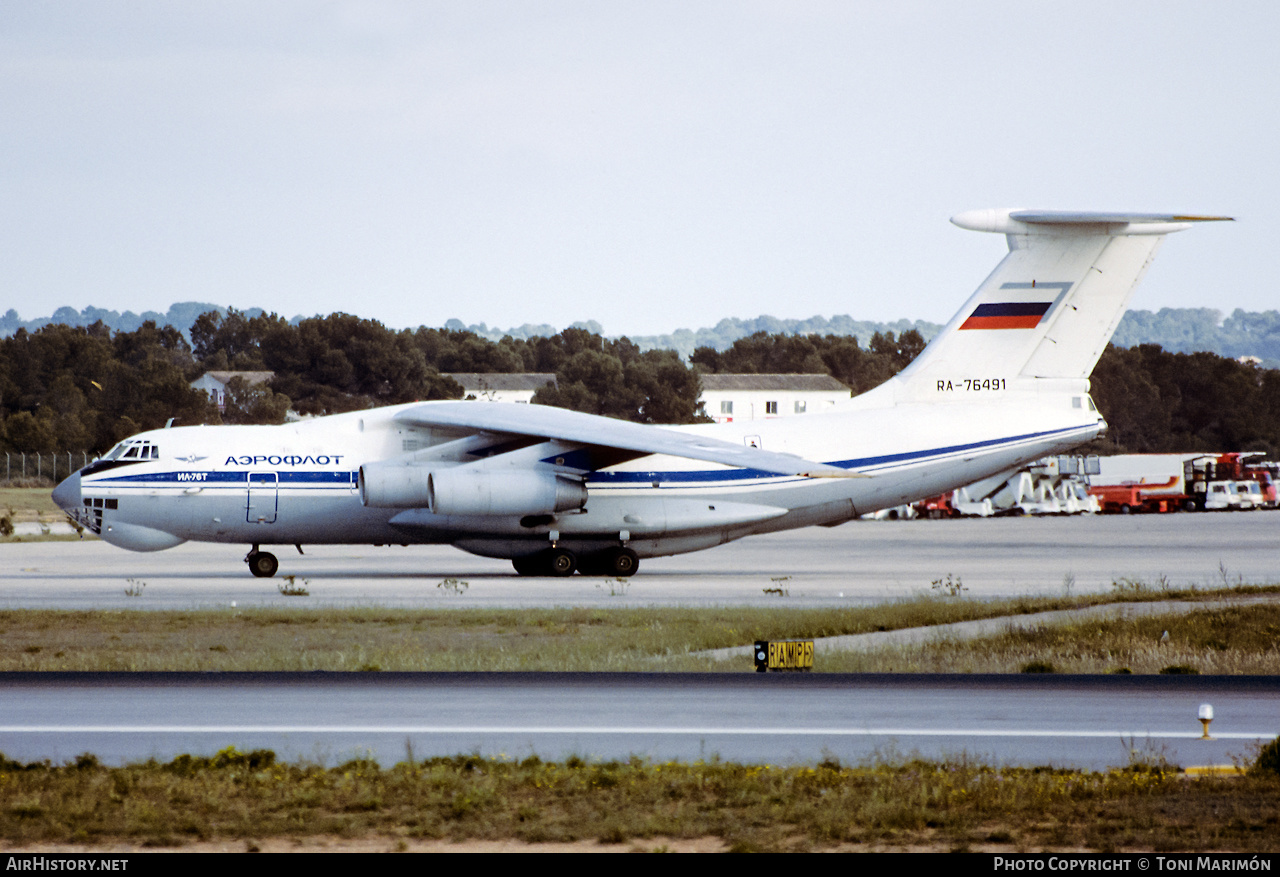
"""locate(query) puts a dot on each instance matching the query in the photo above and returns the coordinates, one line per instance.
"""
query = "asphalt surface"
(857, 563)
(1064, 721)
(1080, 722)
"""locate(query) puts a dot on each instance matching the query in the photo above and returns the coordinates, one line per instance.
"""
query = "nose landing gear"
(262, 564)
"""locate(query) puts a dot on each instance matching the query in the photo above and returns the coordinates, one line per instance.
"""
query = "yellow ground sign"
(794, 655)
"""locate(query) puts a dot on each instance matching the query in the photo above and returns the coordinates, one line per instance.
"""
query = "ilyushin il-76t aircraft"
(555, 491)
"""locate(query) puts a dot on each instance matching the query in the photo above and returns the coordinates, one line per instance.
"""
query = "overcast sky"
(650, 165)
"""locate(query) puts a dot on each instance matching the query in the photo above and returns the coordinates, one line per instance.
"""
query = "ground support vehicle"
(1132, 483)
(955, 504)
(1050, 486)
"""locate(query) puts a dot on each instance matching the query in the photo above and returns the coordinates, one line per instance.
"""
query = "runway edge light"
(1206, 716)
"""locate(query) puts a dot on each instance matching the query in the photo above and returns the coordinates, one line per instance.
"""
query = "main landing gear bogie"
(561, 562)
(621, 562)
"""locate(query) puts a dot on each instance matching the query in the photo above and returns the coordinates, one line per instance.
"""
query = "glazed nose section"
(67, 494)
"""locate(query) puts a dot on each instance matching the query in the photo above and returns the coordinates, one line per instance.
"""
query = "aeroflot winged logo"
(1023, 307)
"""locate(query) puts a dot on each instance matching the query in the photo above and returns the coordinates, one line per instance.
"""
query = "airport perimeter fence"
(41, 469)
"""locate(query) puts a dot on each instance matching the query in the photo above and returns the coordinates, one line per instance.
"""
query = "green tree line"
(1155, 401)
(86, 387)
(1179, 330)
(74, 389)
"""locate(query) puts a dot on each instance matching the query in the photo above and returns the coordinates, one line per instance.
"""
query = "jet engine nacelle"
(393, 486)
(469, 491)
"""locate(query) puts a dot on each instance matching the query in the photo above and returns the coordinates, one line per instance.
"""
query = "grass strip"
(956, 805)
(623, 639)
(1223, 640)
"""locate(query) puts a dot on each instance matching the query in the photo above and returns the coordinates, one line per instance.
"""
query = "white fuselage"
(1005, 382)
(298, 483)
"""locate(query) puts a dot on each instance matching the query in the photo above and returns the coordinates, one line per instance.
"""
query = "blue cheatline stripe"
(223, 479)
(705, 476)
(862, 463)
(953, 449)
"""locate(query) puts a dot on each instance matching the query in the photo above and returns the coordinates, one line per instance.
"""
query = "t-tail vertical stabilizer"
(1048, 309)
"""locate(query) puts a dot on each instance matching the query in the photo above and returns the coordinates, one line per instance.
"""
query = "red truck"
(1182, 482)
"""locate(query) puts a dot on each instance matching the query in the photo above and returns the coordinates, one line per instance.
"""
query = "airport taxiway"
(857, 563)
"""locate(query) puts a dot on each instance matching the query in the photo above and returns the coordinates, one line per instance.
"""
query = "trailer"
(1126, 499)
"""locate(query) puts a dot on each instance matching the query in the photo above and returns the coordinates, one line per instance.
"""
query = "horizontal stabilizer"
(1005, 221)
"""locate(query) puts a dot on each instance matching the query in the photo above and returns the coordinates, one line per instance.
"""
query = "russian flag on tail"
(1007, 315)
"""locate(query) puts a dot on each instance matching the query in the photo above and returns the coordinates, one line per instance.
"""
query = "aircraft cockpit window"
(114, 453)
(136, 451)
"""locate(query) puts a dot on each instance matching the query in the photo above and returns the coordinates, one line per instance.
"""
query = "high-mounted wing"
(545, 422)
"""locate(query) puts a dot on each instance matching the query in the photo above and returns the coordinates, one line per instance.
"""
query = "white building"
(499, 387)
(215, 384)
(728, 398)
(725, 398)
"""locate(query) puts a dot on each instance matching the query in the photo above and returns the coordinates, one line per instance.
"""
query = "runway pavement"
(1080, 722)
(857, 563)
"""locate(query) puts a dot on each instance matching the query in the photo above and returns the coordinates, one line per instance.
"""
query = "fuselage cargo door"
(263, 498)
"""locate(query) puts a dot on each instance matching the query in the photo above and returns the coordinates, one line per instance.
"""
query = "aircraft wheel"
(560, 562)
(262, 564)
(527, 566)
(621, 562)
